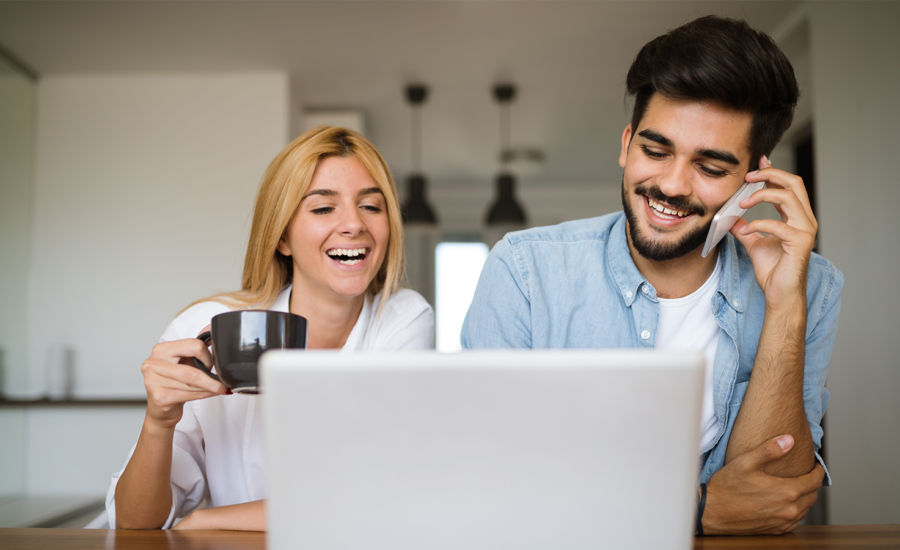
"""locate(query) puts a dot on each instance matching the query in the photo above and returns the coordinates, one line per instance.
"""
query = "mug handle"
(205, 338)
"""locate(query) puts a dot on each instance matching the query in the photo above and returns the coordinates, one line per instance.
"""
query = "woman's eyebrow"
(333, 193)
(323, 192)
(369, 191)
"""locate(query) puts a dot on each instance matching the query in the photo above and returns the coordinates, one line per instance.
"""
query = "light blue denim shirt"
(574, 285)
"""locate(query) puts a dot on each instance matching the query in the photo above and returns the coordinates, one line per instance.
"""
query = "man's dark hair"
(723, 61)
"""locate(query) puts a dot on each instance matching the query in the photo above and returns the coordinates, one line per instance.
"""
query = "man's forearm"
(773, 404)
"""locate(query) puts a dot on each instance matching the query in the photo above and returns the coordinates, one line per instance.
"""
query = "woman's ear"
(283, 247)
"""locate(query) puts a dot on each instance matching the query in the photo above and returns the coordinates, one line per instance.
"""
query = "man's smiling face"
(683, 162)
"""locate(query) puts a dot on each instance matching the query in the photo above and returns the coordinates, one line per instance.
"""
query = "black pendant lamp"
(415, 208)
(505, 210)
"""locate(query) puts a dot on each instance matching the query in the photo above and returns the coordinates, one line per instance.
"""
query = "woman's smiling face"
(339, 234)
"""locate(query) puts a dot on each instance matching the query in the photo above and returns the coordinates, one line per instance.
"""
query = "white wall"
(12, 454)
(144, 188)
(17, 99)
(75, 451)
(856, 76)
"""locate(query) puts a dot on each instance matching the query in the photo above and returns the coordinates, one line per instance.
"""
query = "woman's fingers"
(171, 379)
(183, 377)
(166, 398)
(176, 350)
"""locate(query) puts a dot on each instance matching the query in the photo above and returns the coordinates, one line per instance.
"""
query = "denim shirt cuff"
(827, 481)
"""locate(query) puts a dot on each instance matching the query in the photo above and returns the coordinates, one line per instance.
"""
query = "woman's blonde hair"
(285, 182)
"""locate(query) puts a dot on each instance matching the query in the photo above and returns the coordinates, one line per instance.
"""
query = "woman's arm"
(248, 516)
(143, 494)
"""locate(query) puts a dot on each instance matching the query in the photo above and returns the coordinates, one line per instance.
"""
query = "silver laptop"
(478, 450)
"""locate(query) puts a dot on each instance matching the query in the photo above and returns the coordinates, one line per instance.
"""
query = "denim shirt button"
(645, 334)
(736, 303)
(645, 289)
(628, 294)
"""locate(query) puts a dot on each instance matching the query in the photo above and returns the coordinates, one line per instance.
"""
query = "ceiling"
(568, 60)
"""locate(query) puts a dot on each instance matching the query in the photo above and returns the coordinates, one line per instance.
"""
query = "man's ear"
(626, 140)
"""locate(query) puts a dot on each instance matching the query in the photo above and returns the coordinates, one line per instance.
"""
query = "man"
(711, 100)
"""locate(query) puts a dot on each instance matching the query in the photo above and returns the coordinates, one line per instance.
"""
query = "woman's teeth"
(347, 256)
(665, 212)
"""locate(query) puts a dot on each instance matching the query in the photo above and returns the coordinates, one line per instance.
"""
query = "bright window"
(457, 267)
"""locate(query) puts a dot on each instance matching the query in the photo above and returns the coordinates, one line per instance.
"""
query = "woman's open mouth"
(348, 256)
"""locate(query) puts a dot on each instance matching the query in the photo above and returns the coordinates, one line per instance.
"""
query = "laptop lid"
(481, 449)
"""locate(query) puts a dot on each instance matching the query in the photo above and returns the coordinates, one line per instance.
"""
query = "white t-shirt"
(688, 324)
(217, 452)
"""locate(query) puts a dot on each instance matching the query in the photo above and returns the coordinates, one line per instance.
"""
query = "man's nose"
(675, 179)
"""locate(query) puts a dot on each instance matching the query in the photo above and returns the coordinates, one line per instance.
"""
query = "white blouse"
(218, 450)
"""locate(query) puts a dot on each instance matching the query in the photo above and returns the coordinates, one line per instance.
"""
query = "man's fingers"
(749, 239)
(797, 239)
(806, 502)
(785, 180)
(810, 483)
(787, 204)
(768, 451)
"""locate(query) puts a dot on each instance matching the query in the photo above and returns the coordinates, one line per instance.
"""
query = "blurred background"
(133, 135)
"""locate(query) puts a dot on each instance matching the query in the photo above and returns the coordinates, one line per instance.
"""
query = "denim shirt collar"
(626, 274)
(630, 280)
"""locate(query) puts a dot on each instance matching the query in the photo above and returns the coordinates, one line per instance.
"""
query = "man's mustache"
(654, 193)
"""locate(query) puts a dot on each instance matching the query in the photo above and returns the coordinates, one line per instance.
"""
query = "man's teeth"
(660, 209)
(347, 256)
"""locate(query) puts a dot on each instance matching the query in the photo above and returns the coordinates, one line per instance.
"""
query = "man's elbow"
(798, 462)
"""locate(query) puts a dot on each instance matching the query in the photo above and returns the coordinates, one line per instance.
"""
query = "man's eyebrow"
(653, 135)
(718, 154)
(715, 154)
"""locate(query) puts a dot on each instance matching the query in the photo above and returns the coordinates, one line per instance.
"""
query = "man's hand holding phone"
(781, 258)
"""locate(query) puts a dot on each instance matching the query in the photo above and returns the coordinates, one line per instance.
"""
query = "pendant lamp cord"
(416, 145)
(505, 129)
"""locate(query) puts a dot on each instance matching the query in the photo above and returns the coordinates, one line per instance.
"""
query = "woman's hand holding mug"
(238, 339)
(170, 385)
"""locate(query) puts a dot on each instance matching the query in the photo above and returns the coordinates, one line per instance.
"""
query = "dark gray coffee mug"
(240, 337)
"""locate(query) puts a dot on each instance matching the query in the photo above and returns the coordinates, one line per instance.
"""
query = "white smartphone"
(728, 215)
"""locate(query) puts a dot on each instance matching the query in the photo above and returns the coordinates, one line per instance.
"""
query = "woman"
(326, 243)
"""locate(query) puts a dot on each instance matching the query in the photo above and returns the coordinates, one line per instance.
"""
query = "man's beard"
(657, 251)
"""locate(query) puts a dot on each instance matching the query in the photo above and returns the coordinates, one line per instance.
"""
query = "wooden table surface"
(830, 537)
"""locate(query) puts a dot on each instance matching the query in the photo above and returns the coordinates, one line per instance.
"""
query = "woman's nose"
(351, 223)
